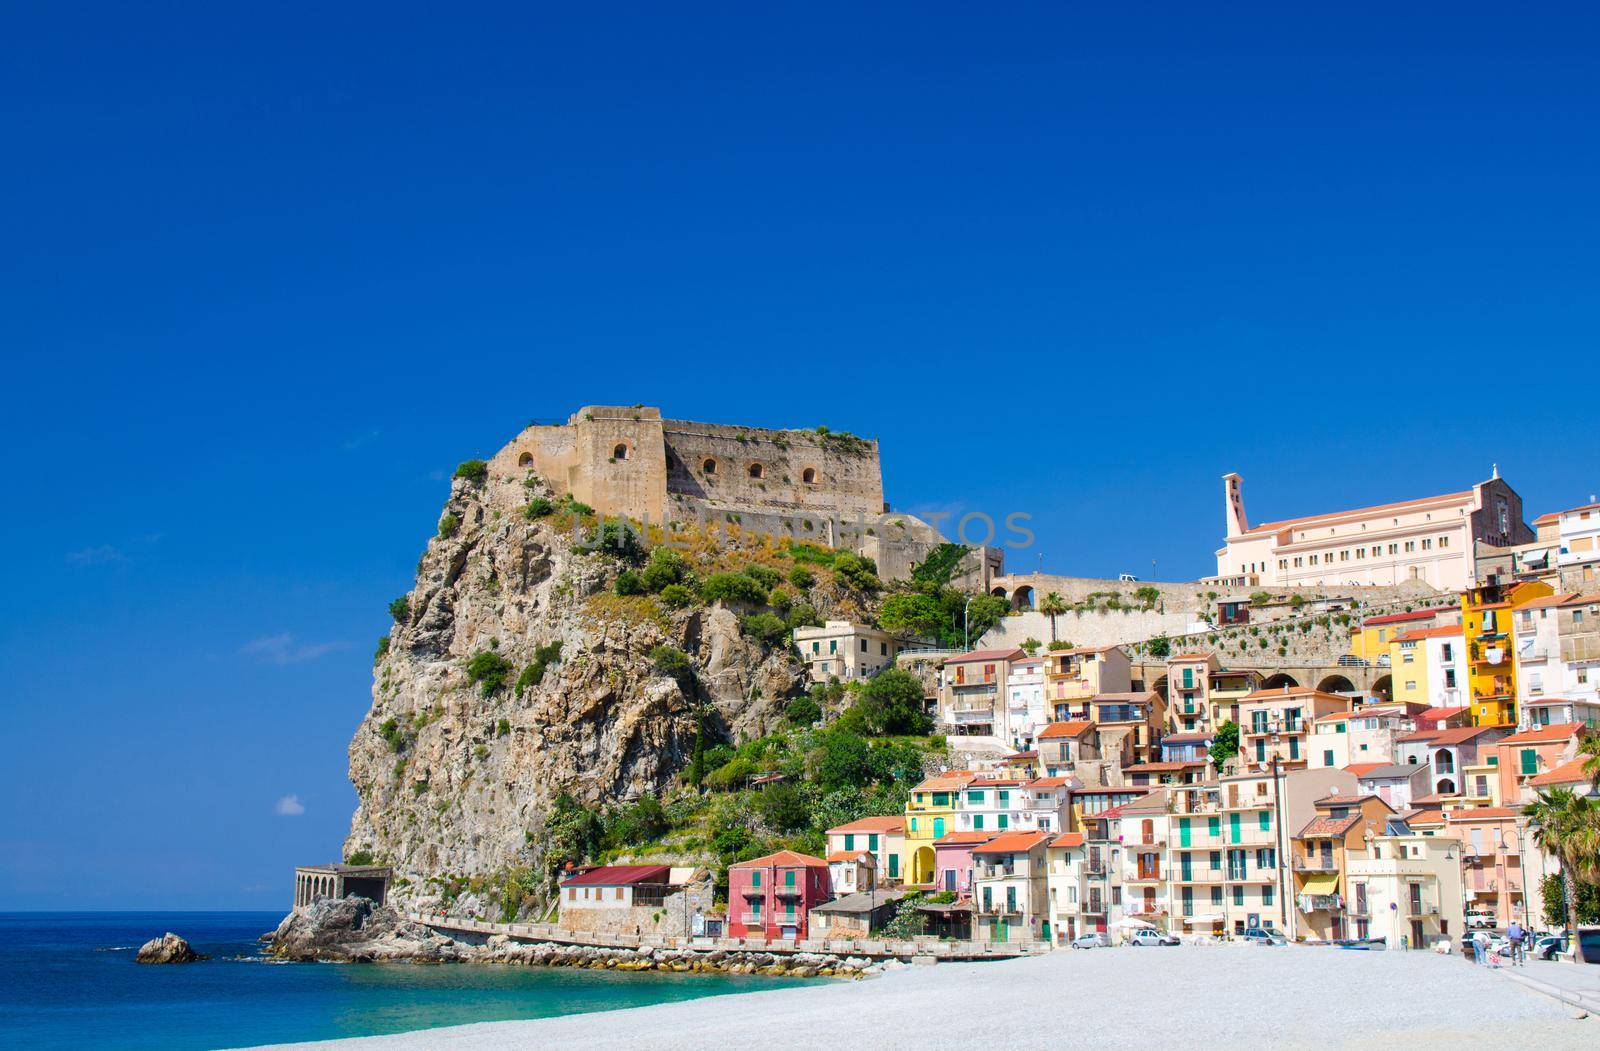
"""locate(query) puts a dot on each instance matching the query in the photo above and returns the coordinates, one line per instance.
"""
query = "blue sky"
(269, 274)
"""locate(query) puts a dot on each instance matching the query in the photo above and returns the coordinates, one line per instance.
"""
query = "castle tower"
(1233, 499)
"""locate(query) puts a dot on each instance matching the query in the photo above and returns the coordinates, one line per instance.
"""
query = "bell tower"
(1233, 500)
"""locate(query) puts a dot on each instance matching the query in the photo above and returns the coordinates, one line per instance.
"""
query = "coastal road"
(1224, 996)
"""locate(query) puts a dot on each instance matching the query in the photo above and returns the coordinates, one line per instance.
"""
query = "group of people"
(1516, 936)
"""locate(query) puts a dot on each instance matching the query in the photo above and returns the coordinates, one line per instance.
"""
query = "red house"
(772, 897)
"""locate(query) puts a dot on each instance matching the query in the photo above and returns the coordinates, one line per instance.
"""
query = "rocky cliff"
(514, 674)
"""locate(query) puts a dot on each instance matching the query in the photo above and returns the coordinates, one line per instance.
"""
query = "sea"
(69, 980)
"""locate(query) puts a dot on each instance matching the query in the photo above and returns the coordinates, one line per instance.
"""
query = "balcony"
(788, 891)
(1310, 864)
(1094, 907)
(975, 714)
(1143, 910)
(1000, 908)
(1144, 875)
(752, 919)
(1198, 875)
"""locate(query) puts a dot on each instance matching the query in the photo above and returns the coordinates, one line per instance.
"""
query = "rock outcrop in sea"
(169, 948)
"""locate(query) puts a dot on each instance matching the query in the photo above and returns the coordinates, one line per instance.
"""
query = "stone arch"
(1383, 687)
(998, 592)
(1445, 787)
(621, 451)
(1022, 598)
(708, 465)
(922, 872)
(1444, 761)
(809, 476)
(1336, 684)
(525, 460)
(757, 469)
(1279, 681)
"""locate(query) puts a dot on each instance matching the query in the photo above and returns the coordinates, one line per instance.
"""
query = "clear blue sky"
(270, 273)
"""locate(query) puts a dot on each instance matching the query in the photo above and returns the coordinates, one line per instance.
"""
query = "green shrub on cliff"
(628, 583)
(665, 568)
(538, 507)
(618, 539)
(400, 609)
(474, 471)
(489, 671)
(543, 657)
(669, 660)
(383, 649)
(732, 587)
(764, 627)
(802, 578)
(449, 525)
(676, 596)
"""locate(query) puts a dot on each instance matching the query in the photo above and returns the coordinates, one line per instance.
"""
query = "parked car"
(1091, 940)
(1150, 937)
(1480, 919)
(1547, 946)
(1262, 936)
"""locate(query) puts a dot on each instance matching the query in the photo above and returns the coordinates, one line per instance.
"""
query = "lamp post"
(966, 633)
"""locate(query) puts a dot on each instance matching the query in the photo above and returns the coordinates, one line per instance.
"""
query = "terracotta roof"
(1325, 827)
(983, 655)
(618, 876)
(1343, 800)
(1570, 510)
(1029, 754)
(1384, 770)
(1444, 631)
(1189, 737)
(1547, 518)
(1482, 813)
(1050, 782)
(1439, 714)
(848, 855)
(1068, 839)
(1583, 600)
(1424, 817)
(1367, 712)
(1076, 728)
(1286, 523)
(1546, 734)
(961, 839)
(893, 823)
(1401, 618)
(951, 782)
(1448, 735)
(1079, 651)
(782, 857)
(1432, 799)
(1362, 769)
(1196, 656)
(1567, 773)
(1013, 843)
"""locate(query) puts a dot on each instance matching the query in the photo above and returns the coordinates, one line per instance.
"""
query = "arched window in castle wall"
(525, 460)
(809, 476)
(620, 451)
(758, 470)
(708, 466)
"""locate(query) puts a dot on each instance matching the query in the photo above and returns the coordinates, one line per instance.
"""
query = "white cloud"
(289, 806)
(283, 649)
(103, 555)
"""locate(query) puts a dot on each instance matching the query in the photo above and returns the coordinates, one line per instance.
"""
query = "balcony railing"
(1306, 864)
(1145, 875)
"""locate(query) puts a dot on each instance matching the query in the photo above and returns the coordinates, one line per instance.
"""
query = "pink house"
(771, 897)
(952, 859)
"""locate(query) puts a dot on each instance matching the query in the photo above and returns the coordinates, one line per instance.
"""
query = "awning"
(1536, 557)
(1209, 917)
(1321, 885)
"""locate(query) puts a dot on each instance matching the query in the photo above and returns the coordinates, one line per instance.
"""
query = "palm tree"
(1052, 606)
(1567, 827)
(1589, 752)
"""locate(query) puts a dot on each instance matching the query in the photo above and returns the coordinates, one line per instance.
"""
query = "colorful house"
(1189, 690)
(1275, 724)
(1522, 757)
(771, 897)
(973, 692)
(1406, 889)
(1491, 861)
(1321, 854)
(883, 837)
(930, 814)
(1067, 884)
(1062, 745)
(1487, 611)
(1009, 888)
(952, 860)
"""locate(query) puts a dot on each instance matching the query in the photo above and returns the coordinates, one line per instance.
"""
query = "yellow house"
(1372, 638)
(1486, 612)
(1408, 668)
(930, 813)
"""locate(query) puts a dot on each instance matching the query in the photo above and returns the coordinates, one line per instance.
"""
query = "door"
(938, 828)
(1233, 828)
(1184, 866)
(1183, 832)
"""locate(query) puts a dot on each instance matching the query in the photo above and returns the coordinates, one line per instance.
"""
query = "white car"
(1150, 937)
(1092, 940)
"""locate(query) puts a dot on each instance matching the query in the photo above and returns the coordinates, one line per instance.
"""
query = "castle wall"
(581, 458)
(715, 463)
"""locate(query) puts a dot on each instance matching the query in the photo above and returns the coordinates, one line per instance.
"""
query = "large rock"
(169, 948)
(354, 930)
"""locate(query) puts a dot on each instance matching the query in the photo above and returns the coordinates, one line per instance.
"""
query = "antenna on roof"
(1494, 470)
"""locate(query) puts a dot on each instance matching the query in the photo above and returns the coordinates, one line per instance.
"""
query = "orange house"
(1524, 756)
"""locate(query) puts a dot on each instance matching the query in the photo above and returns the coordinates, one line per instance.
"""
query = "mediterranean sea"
(68, 980)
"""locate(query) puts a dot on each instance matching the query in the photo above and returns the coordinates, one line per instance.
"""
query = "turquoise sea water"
(68, 980)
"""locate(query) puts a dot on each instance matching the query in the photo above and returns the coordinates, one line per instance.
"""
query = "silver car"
(1092, 940)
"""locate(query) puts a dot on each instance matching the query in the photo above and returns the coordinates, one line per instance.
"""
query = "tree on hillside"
(1225, 745)
(892, 704)
(1567, 827)
(1052, 606)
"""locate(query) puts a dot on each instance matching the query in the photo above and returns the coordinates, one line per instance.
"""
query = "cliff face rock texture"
(514, 674)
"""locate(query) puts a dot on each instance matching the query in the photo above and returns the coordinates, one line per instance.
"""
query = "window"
(849, 841)
(755, 878)
(1411, 545)
(809, 476)
(1427, 543)
(977, 822)
(1264, 820)
(619, 451)
(1266, 895)
(757, 470)
(1238, 895)
(1444, 541)
(872, 841)
(1327, 757)
(1530, 761)
(1394, 549)
(708, 466)
(1314, 559)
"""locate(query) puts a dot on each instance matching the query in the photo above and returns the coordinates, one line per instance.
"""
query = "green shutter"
(872, 842)
(977, 822)
(755, 878)
(1003, 822)
(894, 866)
(1530, 761)
(1264, 819)
(849, 841)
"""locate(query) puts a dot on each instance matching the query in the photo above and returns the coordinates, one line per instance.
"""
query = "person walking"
(1517, 936)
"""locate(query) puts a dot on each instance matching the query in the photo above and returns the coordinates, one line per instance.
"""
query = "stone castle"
(814, 486)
